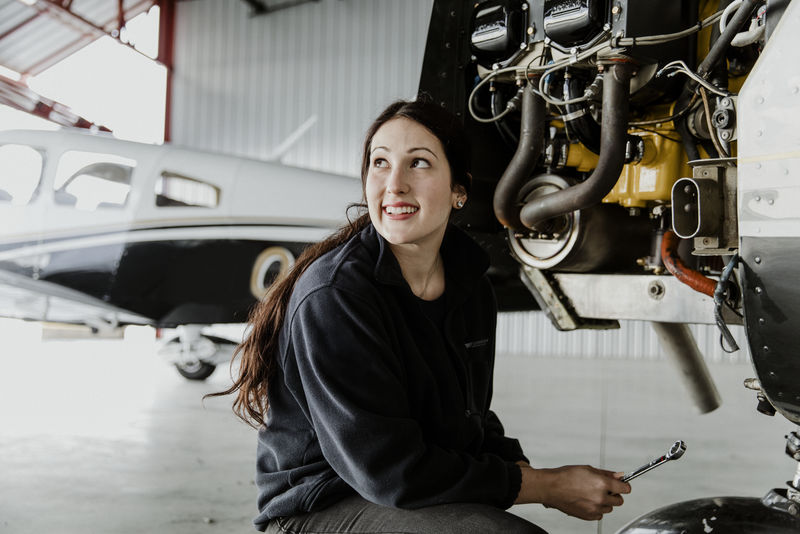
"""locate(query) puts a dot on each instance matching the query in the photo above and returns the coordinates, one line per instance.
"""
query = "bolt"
(725, 102)
(793, 509)
(725, 135)
(761, 321)
(531, 30)
(523, 46)
(760, 99)
(524, 7)
(706, 241)
(616, 9)
(655, 289)
(765, 348)
(757, 259)
(758, 198)
(758, 290)
(771, 202)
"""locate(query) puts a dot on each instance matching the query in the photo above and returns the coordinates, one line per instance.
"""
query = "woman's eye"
(420, 163)
(379, 162)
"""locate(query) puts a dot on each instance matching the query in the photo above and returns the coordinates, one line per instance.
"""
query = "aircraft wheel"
(197, 370)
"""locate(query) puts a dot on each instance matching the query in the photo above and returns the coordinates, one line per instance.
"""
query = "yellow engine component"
(650, 180)
(644, 183)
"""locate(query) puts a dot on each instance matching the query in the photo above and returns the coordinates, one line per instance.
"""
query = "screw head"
(758, 290)
(757, 259)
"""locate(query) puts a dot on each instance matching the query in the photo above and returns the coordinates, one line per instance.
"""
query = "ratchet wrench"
(675, 452)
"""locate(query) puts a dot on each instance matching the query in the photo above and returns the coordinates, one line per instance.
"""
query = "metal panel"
(243, 84)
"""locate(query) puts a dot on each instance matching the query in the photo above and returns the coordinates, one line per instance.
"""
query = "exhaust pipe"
(678, 342)
(614, 127)
(519, 170)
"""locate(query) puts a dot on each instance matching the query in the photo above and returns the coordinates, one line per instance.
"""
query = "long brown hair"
(260, 348)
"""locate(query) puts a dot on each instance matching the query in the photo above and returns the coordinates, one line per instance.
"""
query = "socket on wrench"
(675, 452)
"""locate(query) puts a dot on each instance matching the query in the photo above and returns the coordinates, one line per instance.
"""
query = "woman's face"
(408, 186)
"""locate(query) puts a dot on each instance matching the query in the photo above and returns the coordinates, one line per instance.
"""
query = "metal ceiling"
(36, 34)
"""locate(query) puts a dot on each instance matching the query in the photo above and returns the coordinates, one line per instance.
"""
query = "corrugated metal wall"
(243, 84)
(532, 333)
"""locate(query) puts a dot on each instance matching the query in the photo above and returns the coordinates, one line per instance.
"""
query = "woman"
(369, 367)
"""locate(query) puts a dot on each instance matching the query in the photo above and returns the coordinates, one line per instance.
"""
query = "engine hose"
(690, 277)
(616, 92)
(522, 164)
(577, 120)
(721, 45)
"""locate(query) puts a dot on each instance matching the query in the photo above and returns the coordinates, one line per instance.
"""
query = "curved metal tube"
(531, 141)
(616, 91)
(678, 342)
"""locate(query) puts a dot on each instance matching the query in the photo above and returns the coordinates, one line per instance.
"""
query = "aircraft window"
(90, 181)
(20, 173)
(174, 190)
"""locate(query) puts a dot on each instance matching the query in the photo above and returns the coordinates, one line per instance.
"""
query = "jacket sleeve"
(352, 384)
(495, 440)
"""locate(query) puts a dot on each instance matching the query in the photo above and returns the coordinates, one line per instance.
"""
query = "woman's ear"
(459, 196)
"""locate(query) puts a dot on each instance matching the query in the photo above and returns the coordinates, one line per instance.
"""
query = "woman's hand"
(578, 490)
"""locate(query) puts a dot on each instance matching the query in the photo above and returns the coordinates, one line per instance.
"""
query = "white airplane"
(107, 233)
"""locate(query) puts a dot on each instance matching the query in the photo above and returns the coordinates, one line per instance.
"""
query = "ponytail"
(259, 350)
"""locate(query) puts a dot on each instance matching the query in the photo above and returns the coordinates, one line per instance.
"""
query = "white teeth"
(397, 210)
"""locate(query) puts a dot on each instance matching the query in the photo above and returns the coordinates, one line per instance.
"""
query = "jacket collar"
(464, 260)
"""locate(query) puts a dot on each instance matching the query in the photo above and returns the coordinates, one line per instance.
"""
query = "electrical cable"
(680, 67)
(672, 117)
(665, 38)
(656, 132)
(720, 292)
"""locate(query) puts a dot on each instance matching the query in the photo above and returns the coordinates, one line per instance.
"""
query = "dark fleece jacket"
(372, 397)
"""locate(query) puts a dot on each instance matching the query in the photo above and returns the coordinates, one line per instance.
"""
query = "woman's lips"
(399, 212)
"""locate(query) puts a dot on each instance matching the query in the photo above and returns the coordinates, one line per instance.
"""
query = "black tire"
(198, 370)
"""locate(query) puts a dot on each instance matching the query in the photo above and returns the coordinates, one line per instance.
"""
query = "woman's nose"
(397, 182)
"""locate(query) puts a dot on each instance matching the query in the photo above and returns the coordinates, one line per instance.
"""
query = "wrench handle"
(644, 469)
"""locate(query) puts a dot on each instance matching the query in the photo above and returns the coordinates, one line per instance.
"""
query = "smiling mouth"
(400, 210)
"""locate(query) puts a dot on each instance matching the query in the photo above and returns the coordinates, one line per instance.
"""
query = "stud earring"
(460, 204)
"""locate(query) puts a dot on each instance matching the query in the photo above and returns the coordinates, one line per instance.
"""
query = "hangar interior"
(101, 436)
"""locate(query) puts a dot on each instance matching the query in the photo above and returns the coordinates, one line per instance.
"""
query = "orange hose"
(690, 277)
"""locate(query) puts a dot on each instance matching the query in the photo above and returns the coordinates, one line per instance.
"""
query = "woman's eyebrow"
(410, 150)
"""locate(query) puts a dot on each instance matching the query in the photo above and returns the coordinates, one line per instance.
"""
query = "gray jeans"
(355, 515)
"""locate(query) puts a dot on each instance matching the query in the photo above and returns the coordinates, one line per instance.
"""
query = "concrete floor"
(102, 437)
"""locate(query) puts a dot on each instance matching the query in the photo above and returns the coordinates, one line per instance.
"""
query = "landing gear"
(194, 353)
